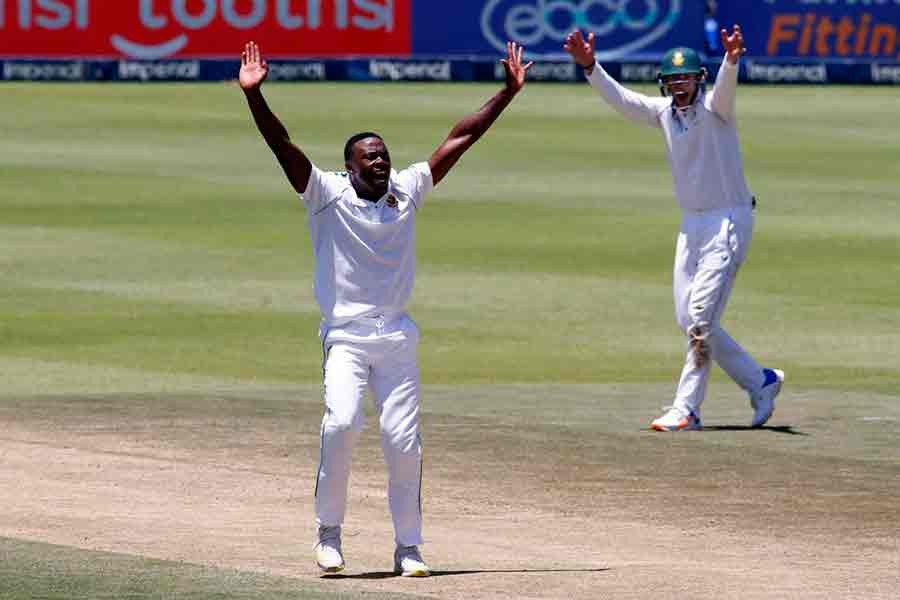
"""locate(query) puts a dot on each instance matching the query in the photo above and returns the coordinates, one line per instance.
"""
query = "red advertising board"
(157, 29)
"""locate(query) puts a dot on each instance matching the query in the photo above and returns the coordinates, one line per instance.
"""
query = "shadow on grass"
(788, 429)
(390, 574)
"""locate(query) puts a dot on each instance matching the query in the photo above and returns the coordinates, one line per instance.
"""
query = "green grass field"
(151, 246)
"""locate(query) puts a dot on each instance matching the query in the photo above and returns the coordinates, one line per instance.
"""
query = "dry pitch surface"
(567, 497)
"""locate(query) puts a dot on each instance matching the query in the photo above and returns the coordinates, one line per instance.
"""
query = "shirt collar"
(363, 203)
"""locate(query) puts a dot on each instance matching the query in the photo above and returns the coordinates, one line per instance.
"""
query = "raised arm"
(722, 98)
(254, 71)
(471, 128)
(634, 106)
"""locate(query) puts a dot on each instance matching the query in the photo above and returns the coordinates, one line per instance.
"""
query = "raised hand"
(733, 44)
(515, 70)
(254, 69)
(581, 50)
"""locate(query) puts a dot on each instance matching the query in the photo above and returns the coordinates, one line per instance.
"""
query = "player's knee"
(343, 423)
(707, 331)
(698, 314)
(403, 442)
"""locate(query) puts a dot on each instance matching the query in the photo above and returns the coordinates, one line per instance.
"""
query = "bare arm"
(722, 98)
(254, 71)
(471, 128)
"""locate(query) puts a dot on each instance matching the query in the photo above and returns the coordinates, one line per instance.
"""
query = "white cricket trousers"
(712, 245)
(379, 355)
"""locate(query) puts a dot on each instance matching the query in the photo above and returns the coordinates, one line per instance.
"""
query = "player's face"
(682, 88)
(370, 167)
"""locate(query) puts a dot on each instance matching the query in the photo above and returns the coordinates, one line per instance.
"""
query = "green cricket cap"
(679, 61)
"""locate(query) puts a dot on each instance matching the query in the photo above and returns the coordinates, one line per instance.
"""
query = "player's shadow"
(390, 574)
(787, 429)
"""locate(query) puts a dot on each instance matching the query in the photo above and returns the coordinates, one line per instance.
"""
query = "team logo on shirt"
(391, 201)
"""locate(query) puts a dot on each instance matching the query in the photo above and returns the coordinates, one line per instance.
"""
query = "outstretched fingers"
(515, 70)
(580, 49)
(252, 52)
(577, 38)
(513, 56)
(520, 57)
(734, 41)
(253, 68)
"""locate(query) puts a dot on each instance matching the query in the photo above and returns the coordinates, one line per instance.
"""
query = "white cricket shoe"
(328, 550)
(408, 562)
(763, 401)
(676, 419)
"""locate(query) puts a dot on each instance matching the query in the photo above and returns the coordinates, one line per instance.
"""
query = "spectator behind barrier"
(711, 27)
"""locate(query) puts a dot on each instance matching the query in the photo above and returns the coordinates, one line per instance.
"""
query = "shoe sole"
(674, 429)
(418, 573)
(331, 570)
(686, 427)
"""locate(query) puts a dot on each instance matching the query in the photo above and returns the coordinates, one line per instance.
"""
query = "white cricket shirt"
(365, 252)
(701, 142)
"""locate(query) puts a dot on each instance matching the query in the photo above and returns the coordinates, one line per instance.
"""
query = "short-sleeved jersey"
(365, 252)
(701, 142)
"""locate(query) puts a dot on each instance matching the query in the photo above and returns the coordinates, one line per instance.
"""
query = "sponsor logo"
(380, 17)
(542, 25)
(544, 71)
(400, 70)
(186, 70)
(860, 34)
(297, 71)
(46, 14)
(44, 71)
(885, 73)
(781, 73)
(639, 71)
(158, 29)
(392, 201)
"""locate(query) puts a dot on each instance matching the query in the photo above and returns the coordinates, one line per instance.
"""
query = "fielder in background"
(362, 224)
(701, 138)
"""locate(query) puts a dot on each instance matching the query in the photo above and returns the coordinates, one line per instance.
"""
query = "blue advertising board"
(789, 41)
(829, 30)
(624, 28)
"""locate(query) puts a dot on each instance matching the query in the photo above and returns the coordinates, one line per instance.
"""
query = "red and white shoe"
(676, 419)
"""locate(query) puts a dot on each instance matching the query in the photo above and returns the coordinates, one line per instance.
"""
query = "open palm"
(515, 70)
(733, 43)
(581, 49)
(254, 69)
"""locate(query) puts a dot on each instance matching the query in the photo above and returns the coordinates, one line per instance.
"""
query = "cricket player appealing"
(362, 224)
(701, 138)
